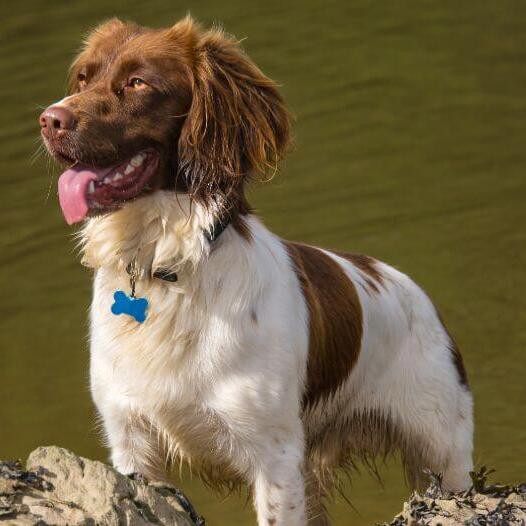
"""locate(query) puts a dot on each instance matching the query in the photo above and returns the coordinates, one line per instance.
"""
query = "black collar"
(217, 229)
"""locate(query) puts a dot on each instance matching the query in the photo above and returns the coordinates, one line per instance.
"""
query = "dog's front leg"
(133, 442)
(279, 489)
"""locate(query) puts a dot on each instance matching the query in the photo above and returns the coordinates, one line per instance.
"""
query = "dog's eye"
(137, 83)
(81, 79)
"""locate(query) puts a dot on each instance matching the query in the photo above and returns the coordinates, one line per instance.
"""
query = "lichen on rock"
(482, 505)
(59, 487)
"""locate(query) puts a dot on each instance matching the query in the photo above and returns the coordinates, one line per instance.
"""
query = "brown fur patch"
(368, 267)
(455, 354)
(335, 324)
(459, 363)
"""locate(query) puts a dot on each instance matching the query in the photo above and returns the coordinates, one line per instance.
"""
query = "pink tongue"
(72, 190)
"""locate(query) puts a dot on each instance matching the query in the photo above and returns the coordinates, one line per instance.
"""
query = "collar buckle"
(217, 229)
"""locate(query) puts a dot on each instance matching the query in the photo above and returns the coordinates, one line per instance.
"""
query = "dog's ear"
(237, 125)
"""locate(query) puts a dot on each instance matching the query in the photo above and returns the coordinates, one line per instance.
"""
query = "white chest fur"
(208, 355)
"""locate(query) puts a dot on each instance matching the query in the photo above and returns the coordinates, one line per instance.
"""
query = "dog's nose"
(56, 118)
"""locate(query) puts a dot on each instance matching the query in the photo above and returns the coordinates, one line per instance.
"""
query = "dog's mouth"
(86, 190)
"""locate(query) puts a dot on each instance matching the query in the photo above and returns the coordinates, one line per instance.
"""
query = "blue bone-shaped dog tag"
(134, 307)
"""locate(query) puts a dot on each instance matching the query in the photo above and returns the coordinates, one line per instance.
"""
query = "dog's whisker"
(51, 178)
(179, 116)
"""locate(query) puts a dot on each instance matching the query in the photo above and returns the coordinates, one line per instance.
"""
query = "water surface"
(410, 147)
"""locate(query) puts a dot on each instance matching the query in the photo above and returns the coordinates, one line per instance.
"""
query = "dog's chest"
(161, 371)
(151, 361)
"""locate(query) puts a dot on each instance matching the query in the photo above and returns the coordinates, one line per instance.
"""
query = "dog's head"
(148, 109)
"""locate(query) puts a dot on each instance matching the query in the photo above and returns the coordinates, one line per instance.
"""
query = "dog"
(258, 360)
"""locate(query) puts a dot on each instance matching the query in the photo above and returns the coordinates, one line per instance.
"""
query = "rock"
(59, 487)
(481, 505)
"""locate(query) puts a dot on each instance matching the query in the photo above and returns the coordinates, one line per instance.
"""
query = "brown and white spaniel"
(257, 359)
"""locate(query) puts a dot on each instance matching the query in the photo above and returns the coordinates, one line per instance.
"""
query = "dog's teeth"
(137, 160)
(91, 187)
(118, 176)
(129, 169)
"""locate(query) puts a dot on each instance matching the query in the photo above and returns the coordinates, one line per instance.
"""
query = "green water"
(411, 146)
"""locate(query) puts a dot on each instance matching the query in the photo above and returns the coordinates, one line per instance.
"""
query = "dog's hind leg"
(448, 455)
(457, 446)
(423, 392)
(437, 433)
